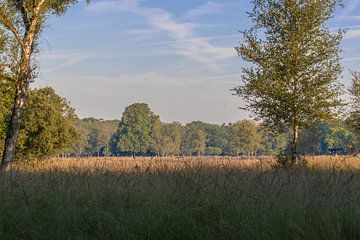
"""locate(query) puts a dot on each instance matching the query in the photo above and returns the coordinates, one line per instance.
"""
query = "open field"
(179, 198)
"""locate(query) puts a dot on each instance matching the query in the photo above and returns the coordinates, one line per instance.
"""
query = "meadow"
(181, 198)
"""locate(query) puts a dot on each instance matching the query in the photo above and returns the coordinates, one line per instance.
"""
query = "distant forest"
(51, 128)
(141, 133)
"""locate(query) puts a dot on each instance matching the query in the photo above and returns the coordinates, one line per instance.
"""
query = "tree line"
(140, 132)
(52, 128)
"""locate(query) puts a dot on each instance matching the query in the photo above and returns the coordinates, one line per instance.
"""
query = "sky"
(175, 55)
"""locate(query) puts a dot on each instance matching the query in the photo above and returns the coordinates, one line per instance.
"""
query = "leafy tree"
(156, 135)
(21, 24)
(194, 139)
(273, 142)
(216, 139)
(95, 137)
(6, 92)
(354, 117)
(296, 64)
(80, 147)
(340, 138)
(136, 129)
(48, 127)
(312, 140)
(171, 134)
(353, 120)
(244, 137)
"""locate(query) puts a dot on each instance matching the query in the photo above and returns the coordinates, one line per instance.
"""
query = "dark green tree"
(194, 139)
(273, 142)
(216, 139)
(136, 130)
(340, 138)
(296, 64)
(6, 98)
(48, 127)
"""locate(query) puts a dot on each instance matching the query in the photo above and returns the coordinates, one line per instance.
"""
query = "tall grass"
(180, 199)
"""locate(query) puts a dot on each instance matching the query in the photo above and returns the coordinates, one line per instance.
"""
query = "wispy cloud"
(207, 8)
(352, 33)
(351, 59)
(62, 59)
(183, 33)
(350, 7)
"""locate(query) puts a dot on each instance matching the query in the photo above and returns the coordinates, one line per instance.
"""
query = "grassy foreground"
(180, 199)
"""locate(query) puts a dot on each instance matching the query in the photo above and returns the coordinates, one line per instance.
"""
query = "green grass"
(194, 202)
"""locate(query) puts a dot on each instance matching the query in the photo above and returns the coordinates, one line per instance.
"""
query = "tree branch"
(24, 13)
(9, 26)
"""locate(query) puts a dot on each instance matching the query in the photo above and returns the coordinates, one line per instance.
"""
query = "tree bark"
(295, 143)
(14, 127)
(21, 89)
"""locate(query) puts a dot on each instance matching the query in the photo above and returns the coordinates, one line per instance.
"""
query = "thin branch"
(12, 68)
(14, 31)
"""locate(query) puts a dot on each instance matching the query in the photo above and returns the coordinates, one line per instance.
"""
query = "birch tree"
(293, 80)
(21, 24)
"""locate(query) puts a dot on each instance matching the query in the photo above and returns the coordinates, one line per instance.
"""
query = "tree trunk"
(13, 128)
(295, 143)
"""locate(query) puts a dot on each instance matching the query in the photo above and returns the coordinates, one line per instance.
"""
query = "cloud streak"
(205, 9)
(186, 42)
(352, 33)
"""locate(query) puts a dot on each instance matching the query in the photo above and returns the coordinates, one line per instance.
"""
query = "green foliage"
(273, 142)
(137, 130)
(6, 99)
(340, 138)
(47, 128)
(296, 63)
(171, 135)
(313, 139)
(216, 139)
(244, 137)
(194, 139)
(320, 137)
(95, 137)
(353, 119)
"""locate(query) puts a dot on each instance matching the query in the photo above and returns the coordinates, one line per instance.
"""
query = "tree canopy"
(293, 80)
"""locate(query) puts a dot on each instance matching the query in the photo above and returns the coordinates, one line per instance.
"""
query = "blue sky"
(176, 55)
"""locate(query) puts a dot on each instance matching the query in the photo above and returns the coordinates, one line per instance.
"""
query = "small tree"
(21, 23)
(296, 64)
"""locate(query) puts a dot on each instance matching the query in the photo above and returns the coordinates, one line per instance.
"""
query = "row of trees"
(140, 132)
(51, 128)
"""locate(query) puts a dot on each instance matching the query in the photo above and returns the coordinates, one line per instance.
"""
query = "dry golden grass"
(128, 164)
(181, 198)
